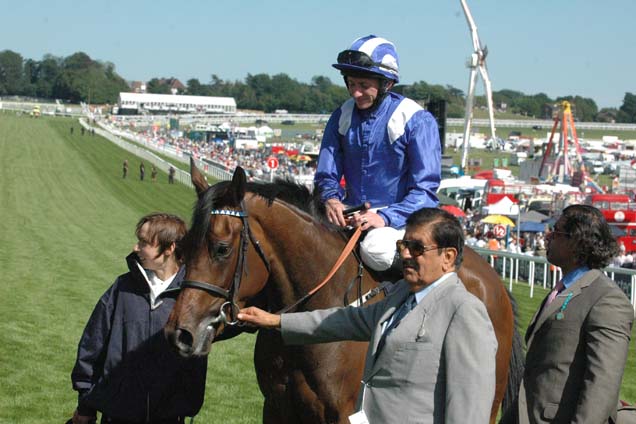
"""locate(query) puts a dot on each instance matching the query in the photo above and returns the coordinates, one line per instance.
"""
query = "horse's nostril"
(184, 338)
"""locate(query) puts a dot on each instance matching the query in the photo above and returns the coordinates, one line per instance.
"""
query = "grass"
(66, 224)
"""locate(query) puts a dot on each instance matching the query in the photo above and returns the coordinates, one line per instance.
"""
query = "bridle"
(241, 267)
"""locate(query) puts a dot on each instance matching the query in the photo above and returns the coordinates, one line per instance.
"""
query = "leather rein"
(343, 255)
(231, 295)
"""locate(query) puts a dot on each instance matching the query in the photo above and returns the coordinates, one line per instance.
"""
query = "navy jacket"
(125, 367)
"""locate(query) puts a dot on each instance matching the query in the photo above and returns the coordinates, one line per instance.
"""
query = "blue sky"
(556, 47)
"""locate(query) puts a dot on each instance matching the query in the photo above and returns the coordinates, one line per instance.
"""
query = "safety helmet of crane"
(370, 56)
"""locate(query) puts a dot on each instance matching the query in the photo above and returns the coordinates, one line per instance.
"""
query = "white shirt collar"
(426, 290)
(156, 284)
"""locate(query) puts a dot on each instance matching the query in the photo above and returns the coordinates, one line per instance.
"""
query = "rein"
(241, 268)
(345, 252)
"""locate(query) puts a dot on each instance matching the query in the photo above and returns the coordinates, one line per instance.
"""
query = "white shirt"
(156, 284)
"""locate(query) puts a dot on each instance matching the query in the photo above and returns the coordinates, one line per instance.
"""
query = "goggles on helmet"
(358, 58)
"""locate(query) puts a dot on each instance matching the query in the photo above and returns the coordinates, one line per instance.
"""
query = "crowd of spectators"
(224, 155)
(532, 244)
(254, 162)
(483, 236)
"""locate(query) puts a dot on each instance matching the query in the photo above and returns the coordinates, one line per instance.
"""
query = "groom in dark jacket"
(125, 368)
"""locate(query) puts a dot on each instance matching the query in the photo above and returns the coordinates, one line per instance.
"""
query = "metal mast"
(476, 62)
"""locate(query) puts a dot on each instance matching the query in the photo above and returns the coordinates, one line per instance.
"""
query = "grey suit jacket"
(575, 361)
(437, 365)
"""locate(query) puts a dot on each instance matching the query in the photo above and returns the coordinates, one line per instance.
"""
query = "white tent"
(265, 130)
(503, 207)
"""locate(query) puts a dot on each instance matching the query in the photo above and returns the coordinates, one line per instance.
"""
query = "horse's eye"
(221, 250)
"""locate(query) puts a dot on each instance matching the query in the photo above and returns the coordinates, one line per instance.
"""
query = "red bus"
(619, 211)
(495, 190)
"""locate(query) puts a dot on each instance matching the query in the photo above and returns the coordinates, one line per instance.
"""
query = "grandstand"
(135, 103)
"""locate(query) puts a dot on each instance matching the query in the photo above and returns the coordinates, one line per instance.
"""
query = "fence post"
(510, 285)
(545, 275)
(531, 279)
(633, 299)
(512, 269)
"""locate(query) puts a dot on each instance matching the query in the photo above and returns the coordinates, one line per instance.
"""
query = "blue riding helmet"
(370, 55)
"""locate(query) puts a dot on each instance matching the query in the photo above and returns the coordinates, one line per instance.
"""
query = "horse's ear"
(198, 179)
(239, 181)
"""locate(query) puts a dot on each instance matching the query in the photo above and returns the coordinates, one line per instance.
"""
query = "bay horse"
(268, 245)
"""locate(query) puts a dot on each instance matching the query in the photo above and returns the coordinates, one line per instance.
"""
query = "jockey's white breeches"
(378, 247)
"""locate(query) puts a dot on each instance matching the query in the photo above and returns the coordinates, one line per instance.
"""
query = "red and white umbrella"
(455, 210)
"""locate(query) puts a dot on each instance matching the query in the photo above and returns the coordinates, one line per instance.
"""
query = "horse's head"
(216, 249)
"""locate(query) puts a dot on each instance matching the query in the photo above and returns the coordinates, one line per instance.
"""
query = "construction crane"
(476, 63)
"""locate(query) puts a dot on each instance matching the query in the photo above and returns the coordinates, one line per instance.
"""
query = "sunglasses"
(416, 247)
(358, 58)
(552, 231)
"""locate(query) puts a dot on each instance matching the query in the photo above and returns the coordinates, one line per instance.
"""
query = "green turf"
(66, 224)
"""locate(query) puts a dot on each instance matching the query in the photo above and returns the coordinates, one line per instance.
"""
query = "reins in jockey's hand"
(360, 208)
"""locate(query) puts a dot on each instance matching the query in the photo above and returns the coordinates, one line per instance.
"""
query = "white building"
(131, 103)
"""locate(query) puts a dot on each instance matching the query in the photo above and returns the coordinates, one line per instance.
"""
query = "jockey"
(386, 146)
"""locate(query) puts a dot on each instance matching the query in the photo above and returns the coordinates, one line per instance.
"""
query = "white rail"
(536, 270)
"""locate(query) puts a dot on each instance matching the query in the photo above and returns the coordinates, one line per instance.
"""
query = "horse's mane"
(292, 193)
(216, 196)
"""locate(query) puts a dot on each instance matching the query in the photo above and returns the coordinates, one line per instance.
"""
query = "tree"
(220, 88)
(607, 114)
(321, 83)
(627, 111)
(158, 86)
(29, 77)
(82, 79)
(11, 81)
(194, 87)
(47, 72)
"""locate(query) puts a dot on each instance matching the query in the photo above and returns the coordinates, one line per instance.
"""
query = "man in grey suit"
(431, 356)
(578, 339)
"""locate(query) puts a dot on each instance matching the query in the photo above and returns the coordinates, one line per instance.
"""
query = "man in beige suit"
(431, 356)
(578, 339)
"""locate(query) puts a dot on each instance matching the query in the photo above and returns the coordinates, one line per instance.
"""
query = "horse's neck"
(303, 252)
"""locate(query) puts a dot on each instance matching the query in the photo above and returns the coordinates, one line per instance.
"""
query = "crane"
(476, 63)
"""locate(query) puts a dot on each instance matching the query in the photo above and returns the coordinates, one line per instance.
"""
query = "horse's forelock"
(212, 198)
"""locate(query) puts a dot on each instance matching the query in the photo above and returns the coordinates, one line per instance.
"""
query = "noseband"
(241, 267)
